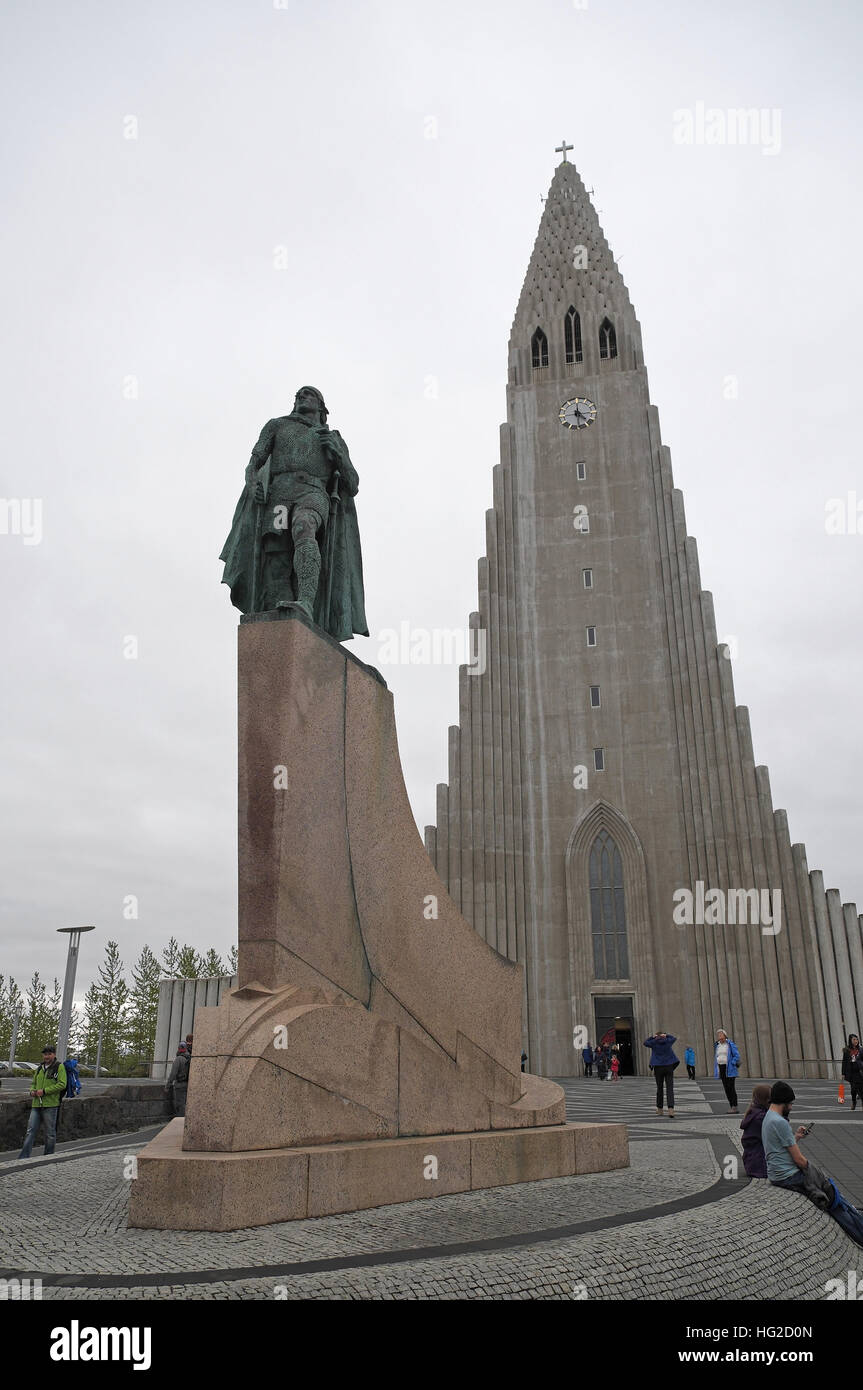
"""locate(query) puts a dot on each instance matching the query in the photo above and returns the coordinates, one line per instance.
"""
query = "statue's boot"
(307, 567)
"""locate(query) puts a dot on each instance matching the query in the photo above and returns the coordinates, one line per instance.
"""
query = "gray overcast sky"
(391, 157)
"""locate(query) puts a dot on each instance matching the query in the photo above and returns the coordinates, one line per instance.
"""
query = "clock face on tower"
(578, 413)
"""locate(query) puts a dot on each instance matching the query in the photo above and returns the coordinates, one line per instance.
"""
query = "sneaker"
(733, 1110)
(659, 1112)
(671, 1114)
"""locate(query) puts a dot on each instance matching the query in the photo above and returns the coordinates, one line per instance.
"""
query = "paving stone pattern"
(757, 1243)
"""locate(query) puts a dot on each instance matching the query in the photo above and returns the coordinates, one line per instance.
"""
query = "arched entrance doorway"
(614, 1027)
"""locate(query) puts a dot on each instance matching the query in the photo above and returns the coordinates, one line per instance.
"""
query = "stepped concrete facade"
(601, 768)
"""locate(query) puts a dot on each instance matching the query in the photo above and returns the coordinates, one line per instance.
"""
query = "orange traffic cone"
(841, 1092)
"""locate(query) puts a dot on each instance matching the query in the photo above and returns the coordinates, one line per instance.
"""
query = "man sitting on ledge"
(787, 1166)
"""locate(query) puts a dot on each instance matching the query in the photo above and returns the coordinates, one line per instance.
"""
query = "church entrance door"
(614, 1027)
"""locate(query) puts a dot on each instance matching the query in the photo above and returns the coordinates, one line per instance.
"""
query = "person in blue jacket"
(662, 1064)
(726, 1061)
(73, 1080)
(689, 1059)
(587, 1059)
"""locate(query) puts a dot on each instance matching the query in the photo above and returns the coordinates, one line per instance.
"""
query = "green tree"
(233, 963)
(35, 1029)
(106, 1004)
(143, 1007)
(89, 1039)
(10, 1003)
(189, 963)
(211, 964)
(170, 956)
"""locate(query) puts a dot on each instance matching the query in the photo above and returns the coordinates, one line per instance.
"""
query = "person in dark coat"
(754, 1160)
(587, 1059)
(852, 1069)
(662, 1064)
(177, 1084)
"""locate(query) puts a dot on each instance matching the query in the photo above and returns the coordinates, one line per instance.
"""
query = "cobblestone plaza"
(671, 1227)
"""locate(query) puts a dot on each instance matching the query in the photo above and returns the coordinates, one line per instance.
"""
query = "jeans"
(729, 1087)
(664, 1076)
(690, 1072)
(843, 1213)
(588, 1068)
(48, 1115)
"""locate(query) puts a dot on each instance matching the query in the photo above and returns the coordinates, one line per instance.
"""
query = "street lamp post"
(74, 934)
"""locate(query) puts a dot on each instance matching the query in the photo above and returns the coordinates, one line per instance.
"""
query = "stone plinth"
(179, 1190)
(371, 1023)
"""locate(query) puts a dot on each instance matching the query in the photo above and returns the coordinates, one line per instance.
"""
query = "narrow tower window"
(607, 339)
(591, 636)
(594, 697)
(607, 910)
(599, 759)
(581, 471)
(539, 349)
(572, 335)
(587, 576)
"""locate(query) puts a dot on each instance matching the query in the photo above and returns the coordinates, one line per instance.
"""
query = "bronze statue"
(294, 540)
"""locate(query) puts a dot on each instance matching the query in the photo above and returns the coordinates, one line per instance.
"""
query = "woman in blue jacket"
(726, 1060)
(662, 1064)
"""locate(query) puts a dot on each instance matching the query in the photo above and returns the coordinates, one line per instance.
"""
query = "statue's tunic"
(300, 470)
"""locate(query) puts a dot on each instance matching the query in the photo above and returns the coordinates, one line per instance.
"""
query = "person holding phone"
(662, 1064)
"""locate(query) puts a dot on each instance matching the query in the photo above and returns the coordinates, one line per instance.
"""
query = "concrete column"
(441, 857)
(493, 683)
(782, 1017)
(724, 1001)
(670, 556)
(161, 1046)
(503, 657)
(829, 976)
(838, 934)
(794, 948)
(736, 940)
(523, 932)
(466, 793)
(808, 962)
(769, 969)
(478, 789)
(487, 841)
(454, 825)
(855, 953)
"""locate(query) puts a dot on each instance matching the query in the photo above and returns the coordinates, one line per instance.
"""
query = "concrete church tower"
(600, 764)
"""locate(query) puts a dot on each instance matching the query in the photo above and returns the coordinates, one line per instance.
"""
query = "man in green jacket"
(49, 1084)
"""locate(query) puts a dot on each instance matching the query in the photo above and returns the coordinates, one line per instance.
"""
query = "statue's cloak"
(340, 603)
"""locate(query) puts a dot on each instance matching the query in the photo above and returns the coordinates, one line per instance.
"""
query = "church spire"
(571, 268)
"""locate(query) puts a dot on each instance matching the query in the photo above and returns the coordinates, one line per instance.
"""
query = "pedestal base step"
(179, 1190)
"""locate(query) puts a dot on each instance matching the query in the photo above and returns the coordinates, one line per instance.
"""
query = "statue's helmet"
(313, 390)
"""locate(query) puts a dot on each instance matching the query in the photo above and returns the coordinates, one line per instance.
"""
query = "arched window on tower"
(572, 336)
(539, 349)
(607, 910)
(607, 339)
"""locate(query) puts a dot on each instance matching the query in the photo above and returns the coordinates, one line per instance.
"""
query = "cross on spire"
(562, 149)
